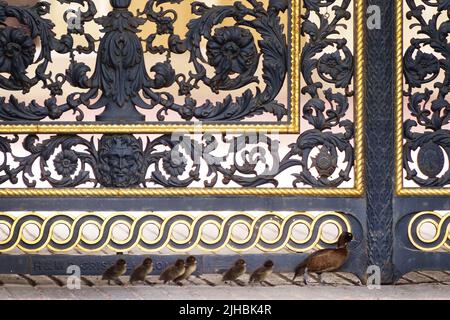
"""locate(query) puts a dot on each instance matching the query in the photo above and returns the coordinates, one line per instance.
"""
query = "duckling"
(237, 270)
(141, 272)
(190, 267)
(260, 274)
(115, 271)
(325, 260)
(172, 272)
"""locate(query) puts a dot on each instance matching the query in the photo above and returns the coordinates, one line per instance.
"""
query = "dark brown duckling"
(141, 272)
(115, 271)
(190, 267)
(237, 270)
(172, 272)
(325, 260)
(260, 275)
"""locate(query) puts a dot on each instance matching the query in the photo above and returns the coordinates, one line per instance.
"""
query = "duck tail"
(299, 270)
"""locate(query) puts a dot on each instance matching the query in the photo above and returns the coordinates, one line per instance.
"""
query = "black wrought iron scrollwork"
(326, 109)
(17, 53)
(126, 161)
(322, 156)
(121, 83)
(427, 61)
(121, 161)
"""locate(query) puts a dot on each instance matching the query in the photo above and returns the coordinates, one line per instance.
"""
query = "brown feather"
(173, 272)
(141, 272)
(260, 274)
(235, 271)
(326, 260)
(115, 271)
(189, 270)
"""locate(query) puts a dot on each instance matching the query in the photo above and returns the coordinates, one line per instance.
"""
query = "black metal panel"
(426, 135)
(379, 134)
(426, 67)
(185, 204)
(180, 160)
(120, 78)
(94, 265)
(406, 257)
(326, 112)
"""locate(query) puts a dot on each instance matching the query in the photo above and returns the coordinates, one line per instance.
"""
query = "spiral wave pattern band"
(441, 237)
(285, 239)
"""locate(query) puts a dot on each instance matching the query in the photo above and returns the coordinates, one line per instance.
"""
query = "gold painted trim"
(277, 225)
(359, 100)
(193, 239)
(419, 229)
(59, 241)
(439, 230)
(293, 125)
(357, 191)
(147, 240)
(299, 241)
(400, 190)
(178, 192)
(399, 98)
(212, 241)
(311, 227)
(338, 227)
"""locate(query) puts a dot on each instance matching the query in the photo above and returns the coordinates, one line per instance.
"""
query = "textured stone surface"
(417, 278)
(206, 287)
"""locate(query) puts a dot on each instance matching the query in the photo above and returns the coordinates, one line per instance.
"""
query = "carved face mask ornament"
(121, 161)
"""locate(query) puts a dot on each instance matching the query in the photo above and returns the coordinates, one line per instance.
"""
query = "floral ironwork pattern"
(121, 161)
(126, 161)
(327, 107)
(427, 62)
(321, 156)
(121, 81)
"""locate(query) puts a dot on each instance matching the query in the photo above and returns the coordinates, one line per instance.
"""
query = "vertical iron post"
(379, 137)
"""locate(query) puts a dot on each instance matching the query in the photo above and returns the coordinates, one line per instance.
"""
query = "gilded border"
(292, 127)
(178, 192)
(400, 190)
(357, 191)
(399, 97)
(359, 100)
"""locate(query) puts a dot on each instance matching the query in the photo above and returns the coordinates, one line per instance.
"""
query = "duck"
(260, 275)
(237, 270)
(172, 272)
(325, 260)
(190, 268)
(141, 272)
(115, 271)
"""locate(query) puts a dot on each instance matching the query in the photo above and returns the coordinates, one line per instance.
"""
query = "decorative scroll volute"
(121, 83)
(426, 69)
(227, 45)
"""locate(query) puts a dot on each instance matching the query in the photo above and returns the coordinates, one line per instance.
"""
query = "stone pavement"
(417, 285)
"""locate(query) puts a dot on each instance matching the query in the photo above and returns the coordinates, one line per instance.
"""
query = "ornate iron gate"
(250, 113)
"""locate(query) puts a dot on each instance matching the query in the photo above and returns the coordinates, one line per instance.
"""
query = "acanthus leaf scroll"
(120, 82)
(427, 61)
(321, 156)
